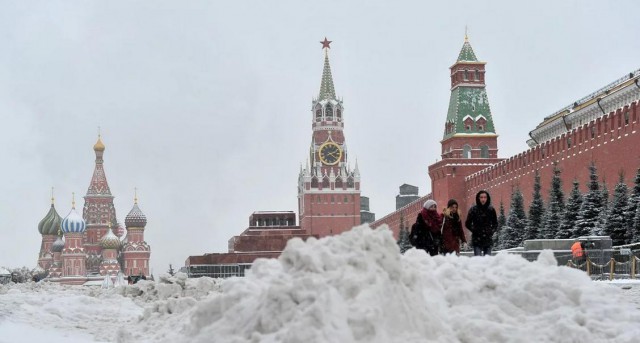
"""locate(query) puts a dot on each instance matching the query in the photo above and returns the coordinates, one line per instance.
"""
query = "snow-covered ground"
(355, 287)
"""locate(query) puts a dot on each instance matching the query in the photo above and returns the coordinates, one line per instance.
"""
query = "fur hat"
(430, 203)
(452, 202)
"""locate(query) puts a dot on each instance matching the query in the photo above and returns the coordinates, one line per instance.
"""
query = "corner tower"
(470, 142)
(328, 189)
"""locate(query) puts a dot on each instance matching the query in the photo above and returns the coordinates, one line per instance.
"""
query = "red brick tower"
(73, 255)
(98, 211)
(470, 140)
(110, 245)
(328, 189)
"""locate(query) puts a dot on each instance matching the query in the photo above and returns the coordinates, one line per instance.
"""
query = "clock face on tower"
(330, 153)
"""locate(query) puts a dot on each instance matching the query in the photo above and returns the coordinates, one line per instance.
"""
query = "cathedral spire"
(326, 85)
(99, 185)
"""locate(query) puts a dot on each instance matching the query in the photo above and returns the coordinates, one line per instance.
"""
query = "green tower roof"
(469, 102)
(467, 54)
(326, 85)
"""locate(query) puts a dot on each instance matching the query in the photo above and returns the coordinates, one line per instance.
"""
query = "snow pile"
(356, 287)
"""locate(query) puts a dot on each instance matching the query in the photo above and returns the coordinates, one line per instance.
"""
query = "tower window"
(318, 114)
(468, 128)
(466, 151)
(465, 75)
(480, 128)
(484, 151)
(338, 114)
(328, 111)
(476, 75)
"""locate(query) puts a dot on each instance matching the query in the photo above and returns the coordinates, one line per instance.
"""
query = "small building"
(266, 237)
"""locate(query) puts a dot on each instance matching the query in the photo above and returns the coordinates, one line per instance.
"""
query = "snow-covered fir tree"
(604, 213)
(634, 200)
(502, 221)
(536, 211)
(636, 226)
(403, 236)
(555, 210)
(571, 211)
(616, 225)
(512, 235)
(403, 240)
(588, 222)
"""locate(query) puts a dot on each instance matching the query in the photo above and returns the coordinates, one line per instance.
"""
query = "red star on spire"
(325, 43)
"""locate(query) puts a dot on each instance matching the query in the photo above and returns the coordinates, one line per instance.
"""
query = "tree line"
(581, 214)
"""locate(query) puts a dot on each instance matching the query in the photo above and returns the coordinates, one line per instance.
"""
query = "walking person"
(425, 233)
(577, 252)
(452, 233)
(482, 221)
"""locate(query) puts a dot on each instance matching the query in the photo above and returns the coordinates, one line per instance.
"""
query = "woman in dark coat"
(452, 233)
(425, 233)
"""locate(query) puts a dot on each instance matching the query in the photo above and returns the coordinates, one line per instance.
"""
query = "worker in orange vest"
(577, 252)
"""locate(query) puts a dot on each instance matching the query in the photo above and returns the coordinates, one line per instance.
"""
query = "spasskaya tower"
(328, 189)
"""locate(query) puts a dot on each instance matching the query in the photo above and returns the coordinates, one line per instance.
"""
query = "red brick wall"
(614, 148)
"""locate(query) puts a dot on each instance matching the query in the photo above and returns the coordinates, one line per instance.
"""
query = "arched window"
(325, 182)
(465, 75)
(328, 112)
(314, 182)
(318, 113)
(466, 151)
(350, 182)
(338, 114)
(338, 182)
(476, 75)
(484, 151)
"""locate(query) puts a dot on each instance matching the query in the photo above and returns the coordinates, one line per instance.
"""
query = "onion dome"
(135, 218)
(50, 224)
(58, 245)
(99, 146)
(73, 222)
(110, 241)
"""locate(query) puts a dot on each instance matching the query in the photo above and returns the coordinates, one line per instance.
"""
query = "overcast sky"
(205, 105)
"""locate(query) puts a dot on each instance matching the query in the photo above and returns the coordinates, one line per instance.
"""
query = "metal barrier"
(609, 264)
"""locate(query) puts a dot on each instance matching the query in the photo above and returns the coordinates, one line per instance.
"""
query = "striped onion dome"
(50, 224)
(110, 241)
(135, 218)
(58, 245)
(73, 222)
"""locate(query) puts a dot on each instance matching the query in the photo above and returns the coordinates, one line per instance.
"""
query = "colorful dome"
(73, 222)
(50, 224)
(110, 241)
(99, 146)
(58, 245)
(135, 218)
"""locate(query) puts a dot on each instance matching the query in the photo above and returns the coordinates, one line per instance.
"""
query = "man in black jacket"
(482, 221)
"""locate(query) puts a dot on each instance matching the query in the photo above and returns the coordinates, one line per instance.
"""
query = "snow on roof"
(4, 271)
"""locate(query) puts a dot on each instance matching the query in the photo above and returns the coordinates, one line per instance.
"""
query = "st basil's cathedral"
(79, 249)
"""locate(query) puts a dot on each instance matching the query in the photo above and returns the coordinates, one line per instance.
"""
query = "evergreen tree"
(616, 226)
(171, 271)
(512, 235)
(634, 199)
(636, 226)
(555, 212)
(604, 213)
(403, 236)
(403, 240)
(589, 215)
(502, 221)
(536, 211)
(572, 209)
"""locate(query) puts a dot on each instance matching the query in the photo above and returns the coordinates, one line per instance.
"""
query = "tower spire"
(135, 195)
(52, 198)
(327, 91)
(73, 199)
